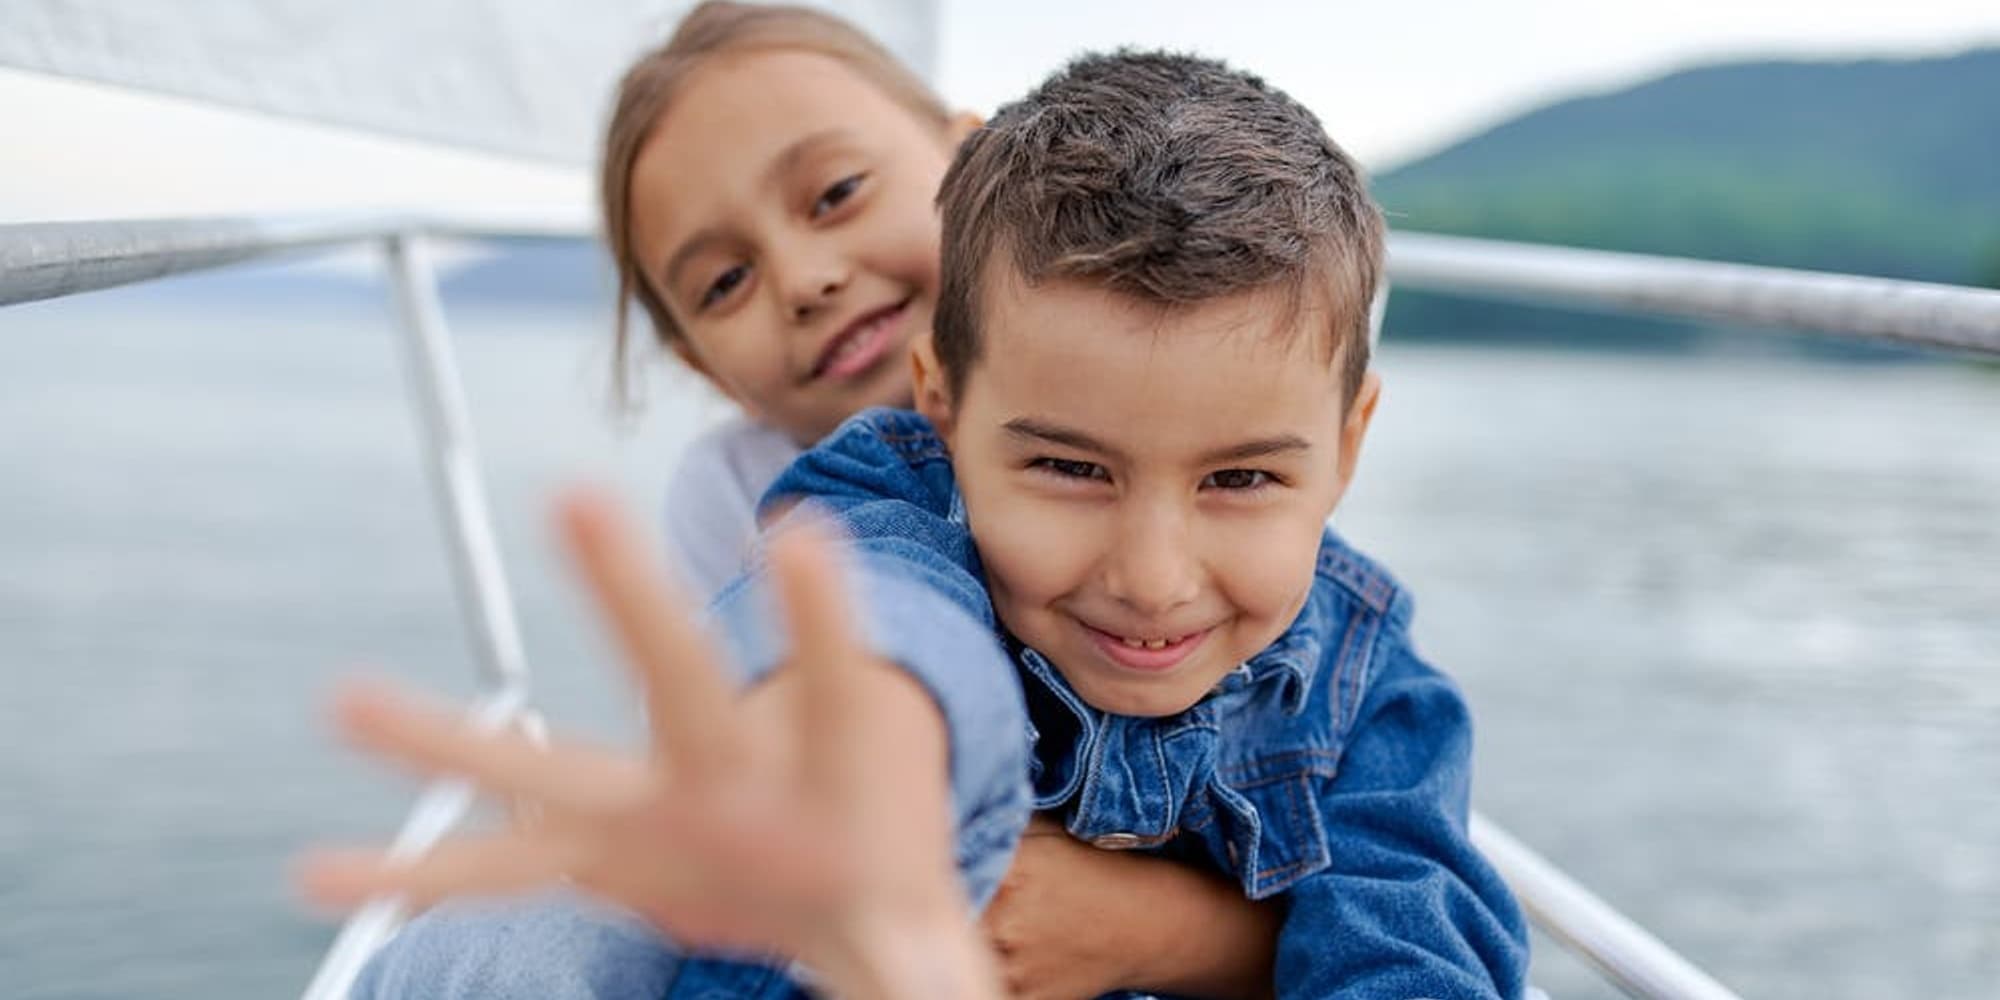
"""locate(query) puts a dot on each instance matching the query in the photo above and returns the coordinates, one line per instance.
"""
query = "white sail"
(522, 77)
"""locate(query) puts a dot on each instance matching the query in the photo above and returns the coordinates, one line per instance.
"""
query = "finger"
(819, 619)
(502, 762)
(688, 701)
(472, 866)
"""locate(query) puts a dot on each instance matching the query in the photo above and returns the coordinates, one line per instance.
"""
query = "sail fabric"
(528, 78)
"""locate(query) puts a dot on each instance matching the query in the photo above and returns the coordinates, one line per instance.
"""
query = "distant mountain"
(1884, 167)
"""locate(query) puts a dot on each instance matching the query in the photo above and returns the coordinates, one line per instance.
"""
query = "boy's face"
(782, 211)
(1147, 487)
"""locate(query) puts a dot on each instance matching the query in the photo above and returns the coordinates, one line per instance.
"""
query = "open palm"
(810, 820)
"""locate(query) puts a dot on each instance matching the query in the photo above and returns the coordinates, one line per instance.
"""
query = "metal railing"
(1918, 313)
(49, 260)
(46, 260)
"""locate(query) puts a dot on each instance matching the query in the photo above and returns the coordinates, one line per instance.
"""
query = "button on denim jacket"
(1329, 773)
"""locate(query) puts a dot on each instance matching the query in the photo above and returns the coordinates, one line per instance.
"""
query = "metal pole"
(1634, 960)
(446, 426)
(47, 260)
(1913, 312)
(447, 435)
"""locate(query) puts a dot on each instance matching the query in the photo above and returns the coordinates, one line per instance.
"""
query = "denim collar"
(1291, 662)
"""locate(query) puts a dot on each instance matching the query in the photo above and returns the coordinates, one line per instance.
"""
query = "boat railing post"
(445, 424)
(446, 427)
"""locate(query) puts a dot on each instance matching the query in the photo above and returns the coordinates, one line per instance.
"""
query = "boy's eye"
(1238, 479)
(724, 283)
(834, 196)
(1070, 469)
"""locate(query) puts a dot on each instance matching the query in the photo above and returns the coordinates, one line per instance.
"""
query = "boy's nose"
(1153, 568)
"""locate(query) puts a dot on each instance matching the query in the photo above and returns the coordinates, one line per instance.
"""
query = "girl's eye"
(834, 196)
(1238, 479)
(724, 283)
(1069, 469)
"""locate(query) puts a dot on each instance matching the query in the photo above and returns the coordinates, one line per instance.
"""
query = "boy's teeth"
(1144, 643)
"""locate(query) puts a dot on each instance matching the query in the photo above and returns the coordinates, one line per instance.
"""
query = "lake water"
(1731, 627)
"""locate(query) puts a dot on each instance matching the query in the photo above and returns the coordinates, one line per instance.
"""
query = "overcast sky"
(1391, 80)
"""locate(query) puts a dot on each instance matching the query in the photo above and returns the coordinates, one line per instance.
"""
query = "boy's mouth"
(861, 345)
(1152, 654)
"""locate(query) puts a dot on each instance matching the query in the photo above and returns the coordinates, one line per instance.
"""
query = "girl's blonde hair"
(712, 29)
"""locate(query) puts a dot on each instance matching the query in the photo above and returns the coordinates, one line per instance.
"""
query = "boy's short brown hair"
(1170, 178)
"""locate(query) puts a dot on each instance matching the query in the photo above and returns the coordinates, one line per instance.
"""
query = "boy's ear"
(933, 398)
(961, 124)
(1354, 427)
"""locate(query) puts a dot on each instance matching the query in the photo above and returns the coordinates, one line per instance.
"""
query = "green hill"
(1885, 167)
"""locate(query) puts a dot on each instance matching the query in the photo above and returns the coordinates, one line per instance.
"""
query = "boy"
(1146, 393)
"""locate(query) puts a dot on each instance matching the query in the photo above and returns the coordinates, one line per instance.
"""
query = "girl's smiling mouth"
(862, 344)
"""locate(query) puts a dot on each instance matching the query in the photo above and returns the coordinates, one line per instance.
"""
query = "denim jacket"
(1330, 772)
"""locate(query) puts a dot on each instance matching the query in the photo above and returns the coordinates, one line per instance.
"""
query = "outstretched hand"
(813, 825)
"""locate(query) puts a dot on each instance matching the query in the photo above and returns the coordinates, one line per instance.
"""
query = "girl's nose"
(814, 289)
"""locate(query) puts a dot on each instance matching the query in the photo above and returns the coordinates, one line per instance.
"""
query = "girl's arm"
(1073, 920)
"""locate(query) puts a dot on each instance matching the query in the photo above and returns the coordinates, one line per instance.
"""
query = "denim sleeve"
(1408, 908)
(883, 473)
(913, 615)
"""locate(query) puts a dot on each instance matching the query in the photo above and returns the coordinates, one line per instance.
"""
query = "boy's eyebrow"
(1071, 438)
(1029, 427)
(1258, 448)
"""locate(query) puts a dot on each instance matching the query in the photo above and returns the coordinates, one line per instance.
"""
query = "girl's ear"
(933, 398)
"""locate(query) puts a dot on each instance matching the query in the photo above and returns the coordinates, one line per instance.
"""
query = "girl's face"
(782, 210)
